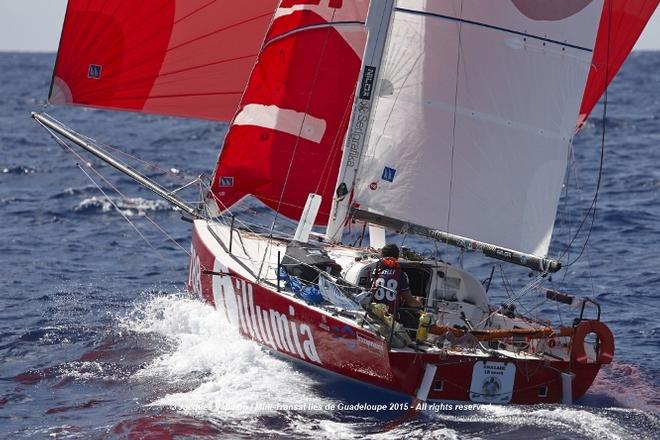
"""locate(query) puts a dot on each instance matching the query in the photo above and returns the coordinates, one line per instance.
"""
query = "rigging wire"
(227, 213)
(459, 51)
(336, 148)
(533, 284)
(581, 198)
(81, 159)
(114, 205)
(151, 165)
(66, 147)
(592, 208)
(591, 212)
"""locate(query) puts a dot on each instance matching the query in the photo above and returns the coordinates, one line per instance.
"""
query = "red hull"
(289, 326)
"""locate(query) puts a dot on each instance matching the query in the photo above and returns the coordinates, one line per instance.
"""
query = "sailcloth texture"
(286, 139)
(187, 58)
(621, 24)
(476, 109)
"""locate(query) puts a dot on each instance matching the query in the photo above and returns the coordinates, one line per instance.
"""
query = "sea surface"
(98, 338)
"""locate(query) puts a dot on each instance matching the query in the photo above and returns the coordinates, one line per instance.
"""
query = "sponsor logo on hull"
(195, 274)
(370, 344)
(279, 330)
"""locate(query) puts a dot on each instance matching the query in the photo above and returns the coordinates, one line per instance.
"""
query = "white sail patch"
(281, 119)
(348, 13)
(60, 92)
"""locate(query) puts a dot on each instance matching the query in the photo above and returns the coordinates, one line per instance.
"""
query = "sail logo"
(94, 71)
(267, 326)
(367, 82)
(357, 132)
(226, 181)
(388, 174)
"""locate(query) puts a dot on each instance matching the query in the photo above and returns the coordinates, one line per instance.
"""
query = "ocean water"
(98, 338)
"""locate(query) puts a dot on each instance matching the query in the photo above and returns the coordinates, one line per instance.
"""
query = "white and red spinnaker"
(286, 138)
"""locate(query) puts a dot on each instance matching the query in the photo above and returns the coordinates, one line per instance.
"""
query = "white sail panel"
(476, 111)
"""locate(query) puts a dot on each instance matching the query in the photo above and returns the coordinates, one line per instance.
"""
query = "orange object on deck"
(606, 351)
(489, 335)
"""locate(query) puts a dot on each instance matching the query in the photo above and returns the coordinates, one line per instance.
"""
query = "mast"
(378, 22)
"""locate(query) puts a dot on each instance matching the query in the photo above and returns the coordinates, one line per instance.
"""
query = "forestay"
(475, 114)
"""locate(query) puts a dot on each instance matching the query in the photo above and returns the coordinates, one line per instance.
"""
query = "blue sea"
(98, 338)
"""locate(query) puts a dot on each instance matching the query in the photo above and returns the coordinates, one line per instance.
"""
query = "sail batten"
(493, 27)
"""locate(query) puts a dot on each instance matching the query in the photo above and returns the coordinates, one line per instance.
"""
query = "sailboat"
(451, 120)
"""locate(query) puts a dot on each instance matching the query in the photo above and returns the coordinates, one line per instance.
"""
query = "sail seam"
(491, 26)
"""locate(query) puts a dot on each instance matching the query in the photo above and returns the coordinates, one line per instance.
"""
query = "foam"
(128, 206)
(239, 379)
(572, 421)
(233, 380)
(628, 385)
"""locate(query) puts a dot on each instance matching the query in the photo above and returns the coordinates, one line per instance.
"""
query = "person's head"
(390, 250)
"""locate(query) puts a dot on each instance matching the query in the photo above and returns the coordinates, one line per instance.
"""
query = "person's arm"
(409, 300)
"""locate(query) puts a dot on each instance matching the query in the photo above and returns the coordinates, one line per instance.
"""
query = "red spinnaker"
(627, 19)
(175, 57)
(286, 138)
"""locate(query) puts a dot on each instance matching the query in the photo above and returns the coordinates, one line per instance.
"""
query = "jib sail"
(286, 138)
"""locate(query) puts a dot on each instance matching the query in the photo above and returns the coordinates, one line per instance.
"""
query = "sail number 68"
(386, 289)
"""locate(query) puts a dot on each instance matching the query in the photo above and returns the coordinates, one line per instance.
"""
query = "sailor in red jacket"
(390, 286)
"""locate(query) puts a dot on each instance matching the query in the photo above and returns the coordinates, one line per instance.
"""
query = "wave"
(129, 207)
(547, 421)
(74, 191)
(18, 170)
(238, 376)
(629, 386)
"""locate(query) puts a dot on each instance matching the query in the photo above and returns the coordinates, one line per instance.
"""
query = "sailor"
(390, 286)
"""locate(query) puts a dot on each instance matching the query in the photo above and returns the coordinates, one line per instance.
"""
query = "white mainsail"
(476, 109)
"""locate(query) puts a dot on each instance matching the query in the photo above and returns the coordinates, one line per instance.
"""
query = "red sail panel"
(286, 138)
(175, 57)
(621, 24)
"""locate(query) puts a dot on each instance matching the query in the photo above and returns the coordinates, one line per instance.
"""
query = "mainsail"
(174, 57)
(475, 114)
(620, 26)
(286, 138)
